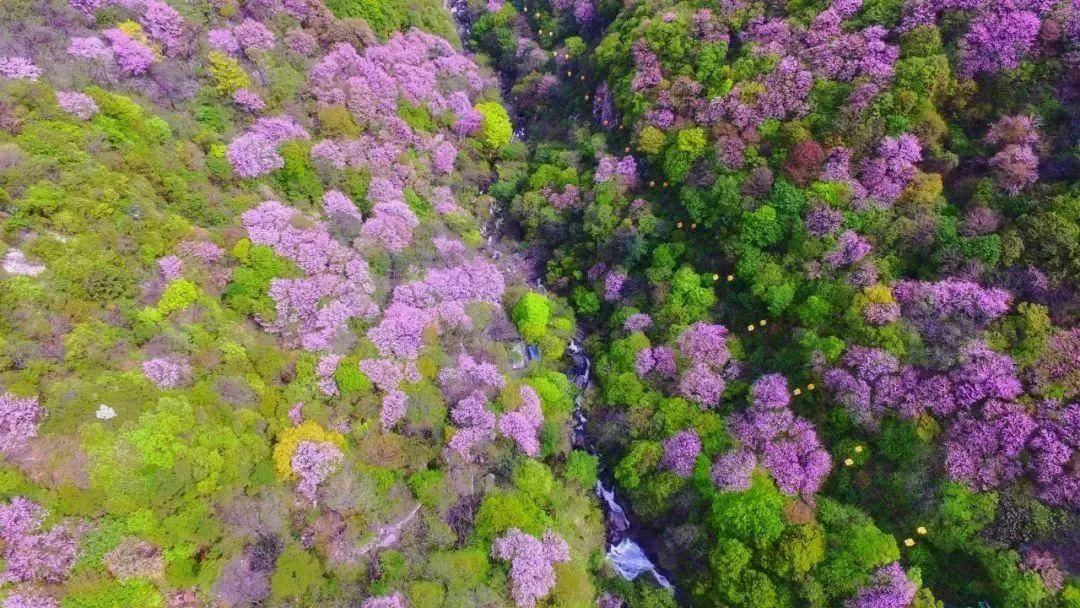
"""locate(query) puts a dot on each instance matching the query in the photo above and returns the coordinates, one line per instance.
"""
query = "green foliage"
(501, 511)
(298, 576)
(247, 292)
(531, 314)
(582, 467)
(495, 128)
(227, 74)
(534, 479)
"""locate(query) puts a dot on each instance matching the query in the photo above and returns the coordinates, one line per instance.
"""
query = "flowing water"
(626, 554)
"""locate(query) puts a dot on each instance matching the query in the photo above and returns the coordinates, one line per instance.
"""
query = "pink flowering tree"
(889, 588)
(531, 573)
(167, 372)
(19, 420)
(523, 424)
(31, 554)
(79, 105)
(680, 452)
(785, 444)
(313, 462)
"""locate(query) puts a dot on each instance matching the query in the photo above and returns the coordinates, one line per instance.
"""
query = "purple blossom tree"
(394, 404)
(132, 56)
(79, 105)
(167, 372)
(681, 451)
(313, 462)
(476, 424)
(637, 322)
(889, 588)
(30, 554)
(786, 444)
(19, 599)
(249, 100)
(19, 68)
(523, 424)
(395, 600)
(19, 420)
(997, 40)
(531, 574)
(732, 470)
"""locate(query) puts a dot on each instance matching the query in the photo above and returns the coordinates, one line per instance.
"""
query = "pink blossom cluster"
(999, 34)
(19, 420)
(990, 440)
(375, 152)
(638, 321)
(997, 40)
(531, 574)
(387, 374)
(623, 169)
(613, 284)
(659, 360)
(569, 198)
(822, 220)
(30, 554)
(831, 50)
(785, 92)
(88, 47)
(311, 310)
(19, 599)
(885, 176)
(704, 362)
(19, 68)
(249, 100)
(79, 105)
(523, 424)
(167, 372)
(324, 371)
(400, 332)
(409, 66)
(392, 221)
(849, 248)
(132, 57)
(704, 346)
(889, 588)
(583, 11)
(394, 408)
(604, 106)
(477, 424)
(470, 375)
(395, 600)
(336, 203)
(477, 280)
(171, 267)
(160, 21)
(680, 452)
(300, 41)
(838, 169)
(248, 36)
(313, 462)
(1016, 164)
(785, 444)
(647, 72)
(203, 252)
(938, 308)
(731, 470)
(254, 152)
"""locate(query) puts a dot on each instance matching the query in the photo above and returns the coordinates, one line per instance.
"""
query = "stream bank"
(625, 549)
